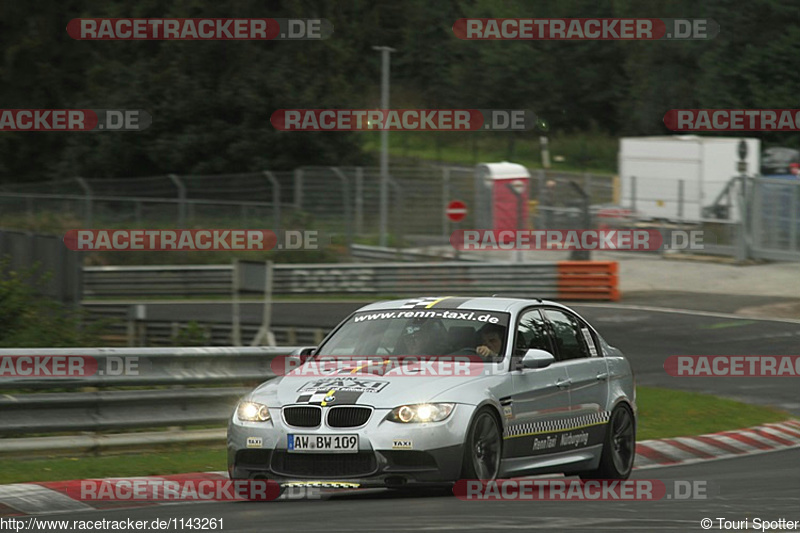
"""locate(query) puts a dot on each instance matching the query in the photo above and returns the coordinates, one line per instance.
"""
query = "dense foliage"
(211, 101)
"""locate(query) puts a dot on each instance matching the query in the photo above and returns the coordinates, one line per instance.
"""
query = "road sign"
(456, 211)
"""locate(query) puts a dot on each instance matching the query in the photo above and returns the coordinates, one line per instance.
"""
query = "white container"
(705, 164)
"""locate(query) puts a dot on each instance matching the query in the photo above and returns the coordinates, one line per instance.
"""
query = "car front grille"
(348, 417)
(323, 464)
(303, 417)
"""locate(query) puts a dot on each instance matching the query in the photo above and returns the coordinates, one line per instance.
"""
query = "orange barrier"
(588, 280)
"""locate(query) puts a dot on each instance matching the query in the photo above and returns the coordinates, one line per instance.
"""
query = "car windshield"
(421, 332)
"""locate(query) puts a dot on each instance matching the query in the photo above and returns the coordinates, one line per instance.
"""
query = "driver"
(418, 340)
(491, 340)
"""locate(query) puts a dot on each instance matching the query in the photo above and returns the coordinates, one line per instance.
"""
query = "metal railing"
(170, 387)
(532, 279)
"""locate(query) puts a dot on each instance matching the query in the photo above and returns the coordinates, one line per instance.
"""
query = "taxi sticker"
(589, 341)
(255, 442)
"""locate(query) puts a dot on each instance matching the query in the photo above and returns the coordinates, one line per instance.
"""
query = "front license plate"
(323, 443)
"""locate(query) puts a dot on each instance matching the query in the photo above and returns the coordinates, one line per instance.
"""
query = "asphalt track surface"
(766, 486)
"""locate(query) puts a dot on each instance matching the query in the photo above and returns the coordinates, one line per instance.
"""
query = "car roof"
(487, 303)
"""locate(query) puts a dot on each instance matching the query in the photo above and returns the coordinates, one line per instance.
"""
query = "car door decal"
(548, 436)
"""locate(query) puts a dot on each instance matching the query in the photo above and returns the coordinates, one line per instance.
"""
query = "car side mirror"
(535, 358)
(300, 356)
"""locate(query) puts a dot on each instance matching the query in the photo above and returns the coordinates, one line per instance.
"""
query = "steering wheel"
(467, 350)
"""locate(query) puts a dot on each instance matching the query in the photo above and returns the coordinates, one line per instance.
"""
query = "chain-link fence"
(342, 201)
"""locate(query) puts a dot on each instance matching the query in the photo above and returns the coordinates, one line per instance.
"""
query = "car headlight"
(421, 412)
(252, 412)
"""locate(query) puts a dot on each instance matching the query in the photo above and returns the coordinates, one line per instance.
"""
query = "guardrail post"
(680, 199)
(348, 217)
(359, 200)
(276, 199)
(298, 188)
(445, 201)
(137, 327)
(792, 217)
(181, 199)
(87, 191)
(633, 194)
(587, 184)
(236, 322)
(742, 250)
(398, 216)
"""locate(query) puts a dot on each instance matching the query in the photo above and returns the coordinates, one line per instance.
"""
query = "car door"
(587, 372)
(540, 400)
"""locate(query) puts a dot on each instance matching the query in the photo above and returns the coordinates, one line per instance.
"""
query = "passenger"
(491, 341)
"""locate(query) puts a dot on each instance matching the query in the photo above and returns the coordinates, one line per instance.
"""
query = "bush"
(29, 320)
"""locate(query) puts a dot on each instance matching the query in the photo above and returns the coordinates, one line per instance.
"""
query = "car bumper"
(389, 454)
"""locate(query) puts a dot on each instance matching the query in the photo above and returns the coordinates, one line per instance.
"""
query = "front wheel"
(619, 447)
(483, 447)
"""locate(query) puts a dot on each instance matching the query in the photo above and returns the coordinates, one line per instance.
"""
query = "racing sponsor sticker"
(533, 438)
(255, 442)
(402, 444)
(343, 384)
(328, 397)
(587, 336)
(323, 484)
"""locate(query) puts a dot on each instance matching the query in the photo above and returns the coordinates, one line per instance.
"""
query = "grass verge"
(663, 413)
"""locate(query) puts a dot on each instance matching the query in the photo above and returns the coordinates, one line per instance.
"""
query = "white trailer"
(674, 177)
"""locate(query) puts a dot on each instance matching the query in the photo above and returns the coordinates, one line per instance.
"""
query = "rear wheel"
(619, 447)
(483, 447)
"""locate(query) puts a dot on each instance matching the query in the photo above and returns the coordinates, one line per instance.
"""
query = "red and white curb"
(726, 444)
(21, 499)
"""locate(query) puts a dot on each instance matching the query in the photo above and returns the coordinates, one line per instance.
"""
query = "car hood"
(397, 387)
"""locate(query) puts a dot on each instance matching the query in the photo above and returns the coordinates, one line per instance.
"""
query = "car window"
(531, 333)
(570, 342)
(430, 332)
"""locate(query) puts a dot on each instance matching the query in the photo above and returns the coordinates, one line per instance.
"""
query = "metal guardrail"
(155, 366)
(368, 253)
(558, 280)
(160, 398)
